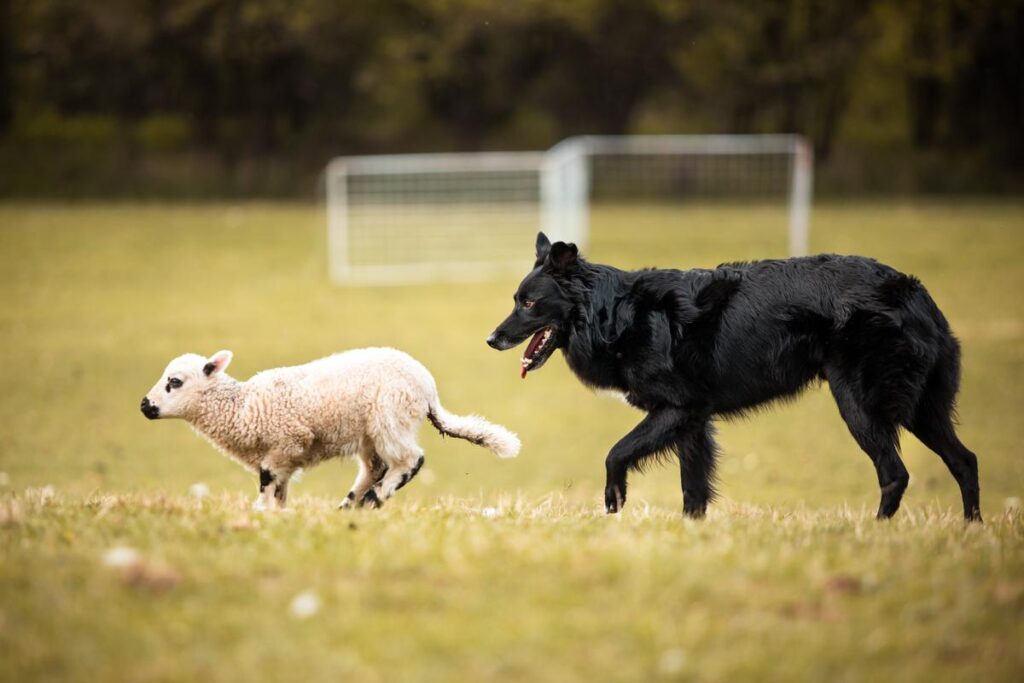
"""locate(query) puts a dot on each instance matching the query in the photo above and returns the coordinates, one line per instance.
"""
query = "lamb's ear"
(562, 256)
(218, 362)
(543, 247)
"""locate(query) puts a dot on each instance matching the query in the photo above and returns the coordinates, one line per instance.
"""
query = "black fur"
(370, 498)
(687, 346)
(266, 478)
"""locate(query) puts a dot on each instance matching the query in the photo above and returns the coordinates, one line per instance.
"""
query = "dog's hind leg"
(878, 438)
(697, 454)
(656, 432)
(933, 425)
(939, 435)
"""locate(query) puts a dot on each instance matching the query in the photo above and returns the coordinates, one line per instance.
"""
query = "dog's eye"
(173, 383)
(528, 303)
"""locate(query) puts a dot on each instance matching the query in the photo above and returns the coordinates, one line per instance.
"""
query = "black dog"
(686, 346)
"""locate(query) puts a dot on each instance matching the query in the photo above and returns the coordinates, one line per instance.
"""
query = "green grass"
(789, 577)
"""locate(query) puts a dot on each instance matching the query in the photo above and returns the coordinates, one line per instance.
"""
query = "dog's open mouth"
(534, 351)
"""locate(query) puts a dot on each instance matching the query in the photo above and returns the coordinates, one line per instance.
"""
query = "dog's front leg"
(656, 432)
(697, 454)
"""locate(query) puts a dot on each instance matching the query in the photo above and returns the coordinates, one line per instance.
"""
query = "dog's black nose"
(492, 341)
(149, 410)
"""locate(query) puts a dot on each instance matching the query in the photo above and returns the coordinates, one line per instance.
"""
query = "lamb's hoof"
(349, 501)
(370, 499)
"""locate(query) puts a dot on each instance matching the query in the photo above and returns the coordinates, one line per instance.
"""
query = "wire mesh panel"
(682, 173)
(403, 218)
(432, 216)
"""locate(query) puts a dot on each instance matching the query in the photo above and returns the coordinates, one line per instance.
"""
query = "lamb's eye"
(528, 303)
(173, 383)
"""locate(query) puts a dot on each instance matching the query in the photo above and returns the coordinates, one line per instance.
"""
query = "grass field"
(483, 569)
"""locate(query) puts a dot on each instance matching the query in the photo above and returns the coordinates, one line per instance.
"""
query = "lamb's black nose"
(149, 410)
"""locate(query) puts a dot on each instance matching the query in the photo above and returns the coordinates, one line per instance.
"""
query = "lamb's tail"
(475, 429)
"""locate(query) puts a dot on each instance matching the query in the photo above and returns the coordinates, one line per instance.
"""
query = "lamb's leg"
(273, 488)
(371, 470)
(281, 494)
(266, 495)
(279, 464)
(403, 457)
(399, 475)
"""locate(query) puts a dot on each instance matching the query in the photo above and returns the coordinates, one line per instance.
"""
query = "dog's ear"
(562, 256)
(543, 247)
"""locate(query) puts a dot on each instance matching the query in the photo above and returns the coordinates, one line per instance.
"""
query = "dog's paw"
(348, 502)
(614, 498)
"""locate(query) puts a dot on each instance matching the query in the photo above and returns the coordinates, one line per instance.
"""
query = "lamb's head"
(182, 385)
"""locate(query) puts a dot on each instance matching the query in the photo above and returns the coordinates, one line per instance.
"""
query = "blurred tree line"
(245, 97)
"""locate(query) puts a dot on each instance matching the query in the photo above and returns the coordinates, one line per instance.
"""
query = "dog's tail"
(475, 429)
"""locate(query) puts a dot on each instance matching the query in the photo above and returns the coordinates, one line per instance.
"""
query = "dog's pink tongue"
(531, 348)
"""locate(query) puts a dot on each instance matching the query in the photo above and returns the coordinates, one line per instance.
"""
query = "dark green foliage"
(220, 97)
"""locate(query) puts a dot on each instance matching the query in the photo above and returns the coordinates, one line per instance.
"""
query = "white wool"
(499, 440)
(361, 401)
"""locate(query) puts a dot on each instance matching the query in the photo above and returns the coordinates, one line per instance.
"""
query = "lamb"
(365, 402)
